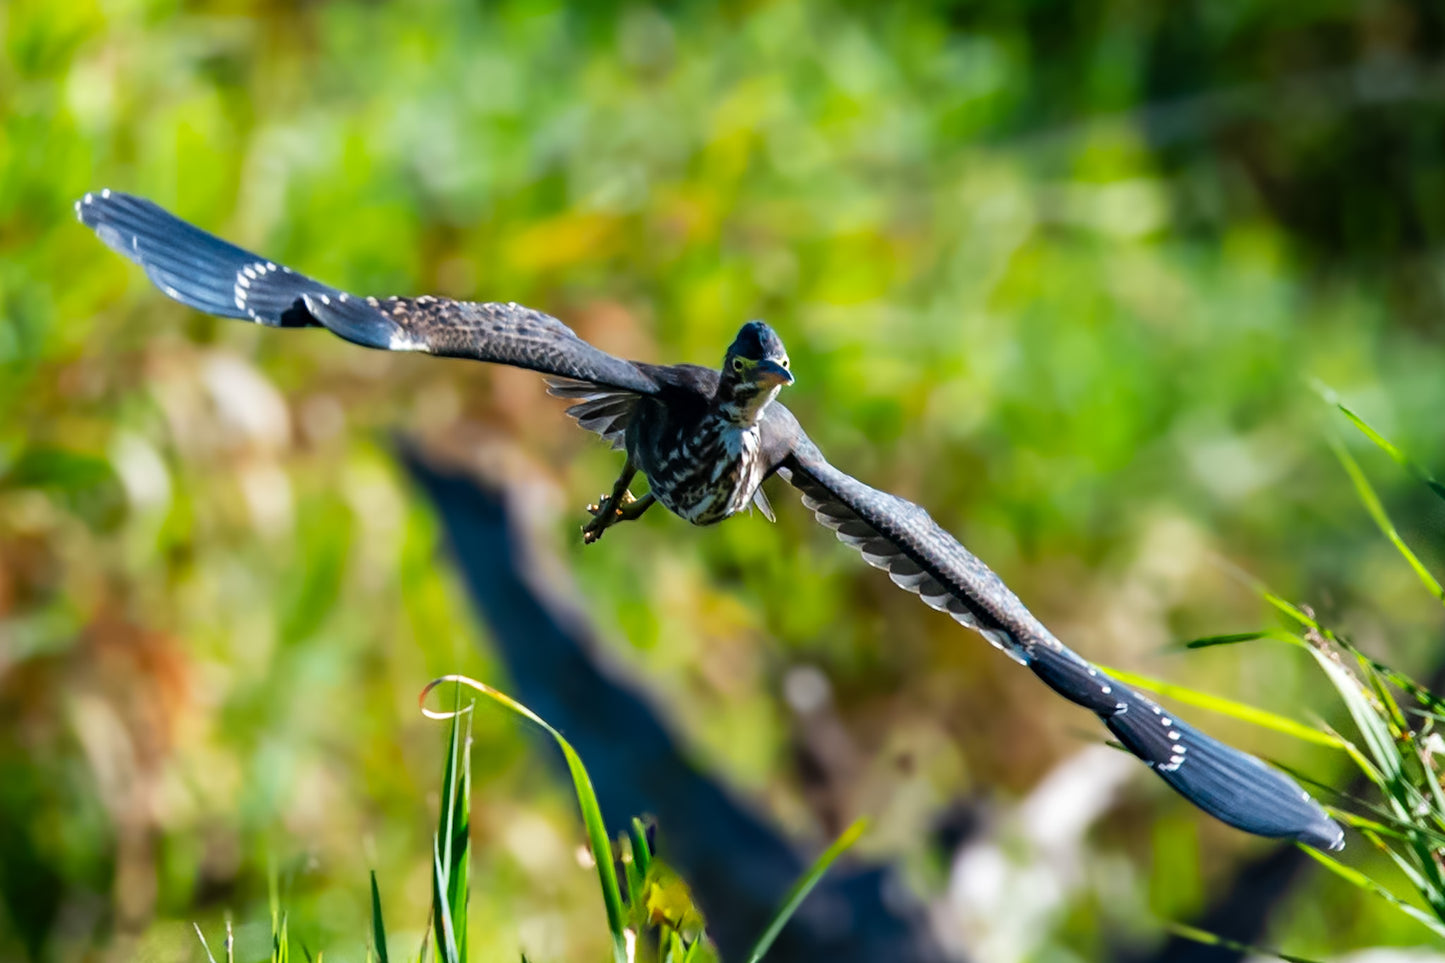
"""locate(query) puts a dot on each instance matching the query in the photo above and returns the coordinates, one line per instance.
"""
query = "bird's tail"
(1230, 785)
(197, 268)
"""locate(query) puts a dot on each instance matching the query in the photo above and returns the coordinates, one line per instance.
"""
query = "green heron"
(705, 440)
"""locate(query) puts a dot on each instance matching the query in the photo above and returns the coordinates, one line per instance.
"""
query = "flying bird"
(705, 440)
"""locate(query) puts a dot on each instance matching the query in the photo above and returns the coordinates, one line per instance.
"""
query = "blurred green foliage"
(1059, 272)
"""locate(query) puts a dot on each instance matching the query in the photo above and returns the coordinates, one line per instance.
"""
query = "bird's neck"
(742, 405)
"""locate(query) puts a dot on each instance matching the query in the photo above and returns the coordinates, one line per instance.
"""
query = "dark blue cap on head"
(757, 341)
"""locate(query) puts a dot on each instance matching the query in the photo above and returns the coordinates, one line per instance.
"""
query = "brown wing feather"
(483, 331)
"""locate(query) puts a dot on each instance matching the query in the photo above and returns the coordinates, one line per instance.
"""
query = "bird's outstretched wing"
(209, 274)
(898, 536)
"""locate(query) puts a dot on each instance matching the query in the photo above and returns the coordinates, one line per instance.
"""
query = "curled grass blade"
(1246, 713)
(586, 802)
(804, 886)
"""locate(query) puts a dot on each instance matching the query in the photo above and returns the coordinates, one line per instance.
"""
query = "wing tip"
(1229, 784)
(87, 202)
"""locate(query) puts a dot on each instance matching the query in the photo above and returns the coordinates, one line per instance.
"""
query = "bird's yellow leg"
(614, 507)
(632, 508)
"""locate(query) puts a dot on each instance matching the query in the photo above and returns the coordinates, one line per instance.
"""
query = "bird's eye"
(737, 364)
(785, 362)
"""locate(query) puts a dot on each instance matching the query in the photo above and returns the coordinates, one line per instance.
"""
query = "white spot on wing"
(401, 340)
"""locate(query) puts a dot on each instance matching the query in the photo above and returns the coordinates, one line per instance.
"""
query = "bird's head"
(754, 370)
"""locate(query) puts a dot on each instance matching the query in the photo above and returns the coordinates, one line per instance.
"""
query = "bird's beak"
(771, 373)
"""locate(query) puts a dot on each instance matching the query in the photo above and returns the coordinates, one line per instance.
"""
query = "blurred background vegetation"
(1061, 272)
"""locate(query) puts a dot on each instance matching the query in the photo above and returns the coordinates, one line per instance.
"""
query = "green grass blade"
(1234, 638)
(280, 942)
(453, 837)
(1373, 505)
(697, 952)
(804, 886)
(454, 830)
(1395, 677)
(1432, 781)
(1379, 743)
(1210, 939)
(636, 868)
(1391, 828)
(1229, 638)
(636, 896)
(1289, 609)
(446, 935)
(1423, 880)
(1389, 448)
(459, 870)
(641, 851)
(586, 802)
(637, 871)
(1247, 713)
(1363, 882)
(378, 928)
